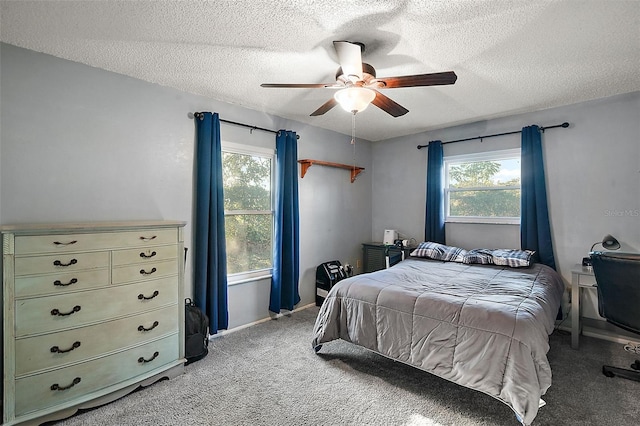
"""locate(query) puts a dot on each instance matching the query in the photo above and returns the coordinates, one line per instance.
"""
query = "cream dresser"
(90, 311)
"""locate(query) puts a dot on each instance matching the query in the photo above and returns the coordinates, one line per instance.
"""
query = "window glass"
(247, 179)
(483, 187)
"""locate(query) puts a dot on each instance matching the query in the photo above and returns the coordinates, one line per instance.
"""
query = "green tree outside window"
(476, 190)
(248, 212)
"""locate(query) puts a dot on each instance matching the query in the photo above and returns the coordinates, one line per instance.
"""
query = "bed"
(485, 327)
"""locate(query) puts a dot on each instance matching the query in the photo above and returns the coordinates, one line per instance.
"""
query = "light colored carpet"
(268, 374)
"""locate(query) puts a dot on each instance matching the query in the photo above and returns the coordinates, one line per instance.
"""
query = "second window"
(483, 187)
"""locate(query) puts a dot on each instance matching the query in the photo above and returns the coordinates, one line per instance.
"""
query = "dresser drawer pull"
(148, 256)
(71, 262)
(142, 327)
(148, 238)
(57, 387)
(58, 243)
(143, 297)
(143, 272)
(59, 283)
(56, 312)
(141, 360)
(56, 349)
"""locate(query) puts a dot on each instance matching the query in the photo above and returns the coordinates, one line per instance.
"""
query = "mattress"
(484, 327)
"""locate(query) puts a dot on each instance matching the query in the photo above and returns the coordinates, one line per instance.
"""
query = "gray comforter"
(483, 327)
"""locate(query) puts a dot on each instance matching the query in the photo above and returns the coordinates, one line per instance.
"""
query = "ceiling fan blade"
(300, 85)
(433, 79)
(350, 57)
(325, 107)
(388, 105)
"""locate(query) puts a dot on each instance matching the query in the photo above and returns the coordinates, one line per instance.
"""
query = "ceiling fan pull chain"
(353, 137)
(353, 128)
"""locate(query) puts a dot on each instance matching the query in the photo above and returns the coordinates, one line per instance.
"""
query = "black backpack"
(196, 332)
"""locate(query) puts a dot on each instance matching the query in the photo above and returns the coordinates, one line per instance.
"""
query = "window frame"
(236, 148)
(498, 155)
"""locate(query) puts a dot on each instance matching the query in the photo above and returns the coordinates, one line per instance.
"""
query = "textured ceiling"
(510, 56)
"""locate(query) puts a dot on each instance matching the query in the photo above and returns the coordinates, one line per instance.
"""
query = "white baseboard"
(608, 335)
(272, 316)
(602, 330)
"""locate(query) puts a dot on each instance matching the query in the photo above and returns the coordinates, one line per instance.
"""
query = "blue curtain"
(286, 250)
(210, 289)
(434, 212)
(535, 231)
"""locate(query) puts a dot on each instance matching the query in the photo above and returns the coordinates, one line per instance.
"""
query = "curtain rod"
(564, 125)
(197, 114)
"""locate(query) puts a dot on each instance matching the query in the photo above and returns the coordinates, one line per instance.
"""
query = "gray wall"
(79, 144)
(592, 172)
(83, 144)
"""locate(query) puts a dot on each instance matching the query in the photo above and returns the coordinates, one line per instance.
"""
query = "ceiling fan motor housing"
(368, 74)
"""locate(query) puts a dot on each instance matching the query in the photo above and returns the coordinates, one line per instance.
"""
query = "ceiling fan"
(359, 85)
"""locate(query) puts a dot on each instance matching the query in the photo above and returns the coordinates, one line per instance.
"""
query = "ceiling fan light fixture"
(354, 99)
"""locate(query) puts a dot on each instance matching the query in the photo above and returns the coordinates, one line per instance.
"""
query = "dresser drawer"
(52, 313)
(144, 255)
(60, 283)
(62, 243)
(31, 265)
(144, 271)
(56, 387)
(66, 347)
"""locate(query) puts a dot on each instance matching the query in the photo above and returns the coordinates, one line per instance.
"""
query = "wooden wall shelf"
(305, 164)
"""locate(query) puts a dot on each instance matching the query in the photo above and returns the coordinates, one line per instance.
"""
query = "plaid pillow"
(512, 258)
(479, 256)
(439, 252)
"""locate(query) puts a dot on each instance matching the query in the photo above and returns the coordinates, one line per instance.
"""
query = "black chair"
(618, 279)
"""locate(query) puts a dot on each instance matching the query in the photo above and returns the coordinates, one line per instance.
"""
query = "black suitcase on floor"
(327, 275)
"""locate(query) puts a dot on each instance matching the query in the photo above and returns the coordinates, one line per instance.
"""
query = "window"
(483, 187)
(247, 180)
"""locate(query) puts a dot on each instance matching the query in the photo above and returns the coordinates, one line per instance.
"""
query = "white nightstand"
(577, 272)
